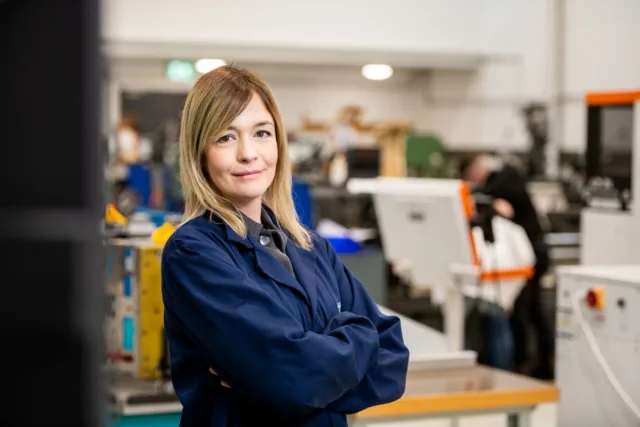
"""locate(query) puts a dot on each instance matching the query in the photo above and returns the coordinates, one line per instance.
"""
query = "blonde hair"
(216, 99)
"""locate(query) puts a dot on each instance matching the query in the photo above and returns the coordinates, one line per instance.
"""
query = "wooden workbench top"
(465, 389)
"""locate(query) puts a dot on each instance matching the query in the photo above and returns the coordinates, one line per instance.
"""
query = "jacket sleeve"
(254, 344)
(385, 381)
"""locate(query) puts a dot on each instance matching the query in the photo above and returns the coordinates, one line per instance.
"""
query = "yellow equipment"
(136, 343)
(113, 216)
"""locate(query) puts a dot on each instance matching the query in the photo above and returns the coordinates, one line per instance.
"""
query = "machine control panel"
(595, 298)
(608, 309)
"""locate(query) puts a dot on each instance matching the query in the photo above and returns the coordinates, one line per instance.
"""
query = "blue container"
(139, 180)
(126, 286)
(344, 245)
(129, 333)
(303, 202)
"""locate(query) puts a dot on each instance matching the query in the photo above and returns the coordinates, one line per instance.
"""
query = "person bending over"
(508, 187)
(266, 326)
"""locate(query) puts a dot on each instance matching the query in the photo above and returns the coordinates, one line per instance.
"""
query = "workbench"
(429, 394)
(440, 384)
(462, 392)
(136, 403)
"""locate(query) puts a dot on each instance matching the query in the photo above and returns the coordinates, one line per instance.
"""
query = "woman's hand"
(503, 208)
(222, 383)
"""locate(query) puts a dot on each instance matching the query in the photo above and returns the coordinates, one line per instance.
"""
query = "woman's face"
(242, 160)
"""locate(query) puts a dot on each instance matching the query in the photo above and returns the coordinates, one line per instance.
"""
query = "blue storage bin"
(139, 180)
(344, 245)
(303, 202)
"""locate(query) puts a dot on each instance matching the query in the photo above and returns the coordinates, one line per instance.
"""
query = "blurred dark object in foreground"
(50, 212)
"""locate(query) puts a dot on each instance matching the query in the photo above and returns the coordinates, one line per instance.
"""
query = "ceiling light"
(206, 65)
(377, 71)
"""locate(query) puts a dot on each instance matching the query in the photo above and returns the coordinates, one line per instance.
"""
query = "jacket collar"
(303, 262)
(253, 228)
(228, 231)
(268, 222)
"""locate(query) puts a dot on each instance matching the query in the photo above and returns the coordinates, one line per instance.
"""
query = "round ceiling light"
(377, 71)
(205, 65)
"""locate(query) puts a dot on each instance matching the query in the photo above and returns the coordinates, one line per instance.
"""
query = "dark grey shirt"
(271, 237)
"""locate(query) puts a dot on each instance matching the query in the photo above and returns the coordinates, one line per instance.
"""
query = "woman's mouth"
(247, 174)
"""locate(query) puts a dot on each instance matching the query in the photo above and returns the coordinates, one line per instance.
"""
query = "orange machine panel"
(612, 98)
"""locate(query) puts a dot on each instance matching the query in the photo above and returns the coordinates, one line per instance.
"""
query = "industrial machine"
(410, 213)
(141, 223)
(560, 219)
(426, 156)
(428, 225)
(136, 343)
(537, 124)
(611, 219)
(598, 346)
(548, 198)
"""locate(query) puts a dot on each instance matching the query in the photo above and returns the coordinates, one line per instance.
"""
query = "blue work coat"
(301, 350)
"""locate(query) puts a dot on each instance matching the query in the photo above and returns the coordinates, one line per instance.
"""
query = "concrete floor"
(543, 416)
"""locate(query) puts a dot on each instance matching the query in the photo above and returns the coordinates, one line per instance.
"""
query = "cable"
(591, 339)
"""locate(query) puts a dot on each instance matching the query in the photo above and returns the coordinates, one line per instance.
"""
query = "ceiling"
(140, 74)
(292, 55)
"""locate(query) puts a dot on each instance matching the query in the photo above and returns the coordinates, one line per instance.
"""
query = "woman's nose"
(246, 150)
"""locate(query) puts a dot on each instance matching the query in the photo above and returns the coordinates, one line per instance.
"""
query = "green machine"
(426, 157)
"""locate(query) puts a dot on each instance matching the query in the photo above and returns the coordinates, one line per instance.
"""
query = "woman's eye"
(263, 134)
(225, 138)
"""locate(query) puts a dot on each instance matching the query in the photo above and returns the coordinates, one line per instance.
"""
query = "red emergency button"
(595, 298)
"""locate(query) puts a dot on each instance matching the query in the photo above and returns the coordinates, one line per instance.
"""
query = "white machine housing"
(422, 222)
(425, 223)
(608, 236)
(587, 397)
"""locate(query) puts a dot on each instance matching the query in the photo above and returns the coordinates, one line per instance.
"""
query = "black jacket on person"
(509, 184)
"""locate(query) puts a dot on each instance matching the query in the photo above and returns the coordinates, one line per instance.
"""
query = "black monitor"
(610, 138)
(363, 162)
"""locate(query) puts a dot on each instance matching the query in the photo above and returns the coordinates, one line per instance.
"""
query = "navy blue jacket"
(296, 351)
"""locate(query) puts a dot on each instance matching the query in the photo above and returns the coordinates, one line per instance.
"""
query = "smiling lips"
(250, 174)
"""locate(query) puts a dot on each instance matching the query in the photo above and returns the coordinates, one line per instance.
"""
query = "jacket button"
(265, 240)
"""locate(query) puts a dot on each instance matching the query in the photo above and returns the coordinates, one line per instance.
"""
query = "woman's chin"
(246, 196)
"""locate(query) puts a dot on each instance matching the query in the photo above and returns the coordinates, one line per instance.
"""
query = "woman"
(266, 326)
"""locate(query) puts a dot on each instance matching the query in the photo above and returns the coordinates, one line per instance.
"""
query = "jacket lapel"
(272, 268)
(303, 262)
(304, 265)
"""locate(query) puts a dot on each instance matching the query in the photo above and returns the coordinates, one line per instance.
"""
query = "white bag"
(505, 263)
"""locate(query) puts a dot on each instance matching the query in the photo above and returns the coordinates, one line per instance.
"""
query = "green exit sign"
(181, 71)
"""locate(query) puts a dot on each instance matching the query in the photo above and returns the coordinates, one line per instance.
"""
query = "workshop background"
(401, 89)
(382, 100)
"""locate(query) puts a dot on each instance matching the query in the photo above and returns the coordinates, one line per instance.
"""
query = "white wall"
(603, 45)
(322, 103)
(481, 110)
(312, 90)
(602, 53)
(417, 25)
(600, 41)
